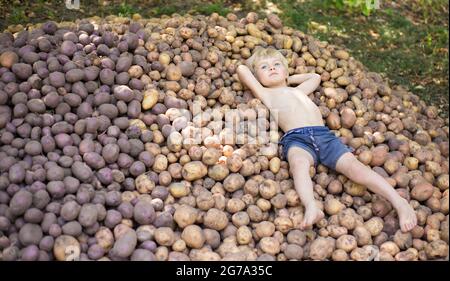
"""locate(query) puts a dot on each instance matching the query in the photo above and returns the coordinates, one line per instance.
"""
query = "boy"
(307, 141)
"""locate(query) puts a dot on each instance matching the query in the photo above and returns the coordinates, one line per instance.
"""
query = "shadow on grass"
(411, 54)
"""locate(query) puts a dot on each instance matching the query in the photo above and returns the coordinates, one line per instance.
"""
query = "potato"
(233, 182)
(218, 172)
(322, 248)
(66, 248)
(296, 237)
(265, 229)
(8, 58)
(178, 189)
(125, 244)
(374, 226)
(215, 219)
(269, 245)
(408, 255)
(20, 202)
(175, 141)
(203, 255)
(243, 235)
(194, 170)
(16, 173)
(348, 117)
(422, 191)
(436, 249)
(21, 70)
(360, 254)
(144, 212)
(185, 215)
(403, 240)
(88, 215)
(333, 121)
(30, 234)
(268, 188)
(339, 255)
(379, 156)
(334, 187)
(81, 171)
(347, 219)
(164, 236)
(193, 236)
(362, 235)
(144, 184)
(347, 243)
(211, 156)
(333, 206)
(381, 207)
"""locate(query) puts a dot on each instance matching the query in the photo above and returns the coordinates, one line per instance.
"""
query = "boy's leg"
(356, 171)
(300, 161)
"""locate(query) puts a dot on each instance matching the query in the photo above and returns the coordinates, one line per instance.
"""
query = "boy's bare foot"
(406, 215)
(312, 215)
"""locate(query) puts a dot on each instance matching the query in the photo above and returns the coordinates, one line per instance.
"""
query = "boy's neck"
(281, 85)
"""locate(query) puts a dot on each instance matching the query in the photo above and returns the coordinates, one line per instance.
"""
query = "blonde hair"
(261, 53)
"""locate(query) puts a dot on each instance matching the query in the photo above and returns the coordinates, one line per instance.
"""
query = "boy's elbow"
(317, 76)
(318, 79)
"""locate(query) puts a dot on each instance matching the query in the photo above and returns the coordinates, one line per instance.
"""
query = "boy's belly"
(296, 120)
(297, 114)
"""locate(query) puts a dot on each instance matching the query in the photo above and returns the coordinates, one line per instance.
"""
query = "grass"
(408, 53)
(124, 10)
(405, 41)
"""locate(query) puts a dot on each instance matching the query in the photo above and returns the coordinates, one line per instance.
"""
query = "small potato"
(269, 245)
(333, 206)
(20, 202)
(362, 235)
(436, 249)
(422, 191)
(339, 255)
(194, 170)
(215, 219)
(144, 184)
(268, 188)
(178, 189)
(265, 229)
(321, 248)
(144, 212)
(164, 236)
(347, 243)
(125, 244)
(66, 248)
(233, 182)
(193, 236)
(374, 226)
(243, 235)
(185, 215)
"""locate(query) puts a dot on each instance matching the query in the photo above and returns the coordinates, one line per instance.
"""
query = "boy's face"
(271, 72)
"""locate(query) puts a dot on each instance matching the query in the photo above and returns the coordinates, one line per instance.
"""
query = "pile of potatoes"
(133, 139)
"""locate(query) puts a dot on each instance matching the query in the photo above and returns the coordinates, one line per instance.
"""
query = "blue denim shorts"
(319, 141)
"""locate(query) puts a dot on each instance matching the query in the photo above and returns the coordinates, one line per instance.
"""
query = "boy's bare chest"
(289, 102)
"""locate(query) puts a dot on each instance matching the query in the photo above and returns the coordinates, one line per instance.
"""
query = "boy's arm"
(308, 82)
(248, 79)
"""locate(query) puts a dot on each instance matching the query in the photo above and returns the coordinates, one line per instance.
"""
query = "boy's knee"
(298, 162)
